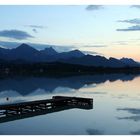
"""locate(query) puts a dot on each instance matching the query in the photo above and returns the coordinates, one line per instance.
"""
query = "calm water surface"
(116, 105)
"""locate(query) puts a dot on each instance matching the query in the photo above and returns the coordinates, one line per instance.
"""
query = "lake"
(116, 105)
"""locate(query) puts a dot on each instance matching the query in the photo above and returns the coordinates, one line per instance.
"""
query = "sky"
(108, 30)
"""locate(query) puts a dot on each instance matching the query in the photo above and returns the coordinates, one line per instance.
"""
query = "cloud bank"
(38, 46)
(132, 28)
(15, 34)
(132, 21)
(36, 26)
(94, 7)
(90, 46)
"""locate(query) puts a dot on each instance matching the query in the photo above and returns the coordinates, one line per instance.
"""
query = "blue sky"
(113, 31)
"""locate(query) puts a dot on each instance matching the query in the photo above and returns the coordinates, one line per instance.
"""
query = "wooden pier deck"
(33, 108)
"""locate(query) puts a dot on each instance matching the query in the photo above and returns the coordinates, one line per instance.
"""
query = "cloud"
(90, 46)
(92, 53)
(8, 44)
(35, 30)
(39, 46)
(132, 28)
(15, 34)
(94, 7)
(121, 43)
(135, 6)
(36, 26)
(132, 21)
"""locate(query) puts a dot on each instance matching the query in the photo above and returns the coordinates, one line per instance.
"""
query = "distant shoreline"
(59, 69)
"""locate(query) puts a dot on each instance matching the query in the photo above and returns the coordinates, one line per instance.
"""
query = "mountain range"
(27, 54)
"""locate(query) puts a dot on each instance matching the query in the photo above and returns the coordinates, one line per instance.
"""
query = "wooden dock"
(23, 110)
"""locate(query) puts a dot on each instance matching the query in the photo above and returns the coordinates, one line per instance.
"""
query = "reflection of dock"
(33, 108)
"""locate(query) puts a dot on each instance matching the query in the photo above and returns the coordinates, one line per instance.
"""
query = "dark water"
(116, 105)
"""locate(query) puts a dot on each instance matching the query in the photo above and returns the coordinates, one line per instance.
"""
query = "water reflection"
(135, 132)
(25, 86)
(133, 118)
(134, 111)
(130, 110)
(116, 104)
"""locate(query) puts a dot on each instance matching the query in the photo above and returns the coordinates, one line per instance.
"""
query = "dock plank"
(32, 108)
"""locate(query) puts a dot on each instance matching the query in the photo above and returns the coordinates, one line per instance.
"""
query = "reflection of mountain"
(25, 86)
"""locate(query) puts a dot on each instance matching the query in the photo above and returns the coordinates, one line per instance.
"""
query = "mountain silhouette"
(71, 54)
(96, 61)
(49, 51)
(26, 53)
(129, 61)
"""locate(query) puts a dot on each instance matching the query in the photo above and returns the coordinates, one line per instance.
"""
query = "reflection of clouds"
(135, 132)
(134, 111)
(130, 110)
(12, 100)
(94, 132)
(93, 92)
(89, 85)
(134, 97)
(133, 118)
(99, 92)
(120, 96)
(9, 93)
